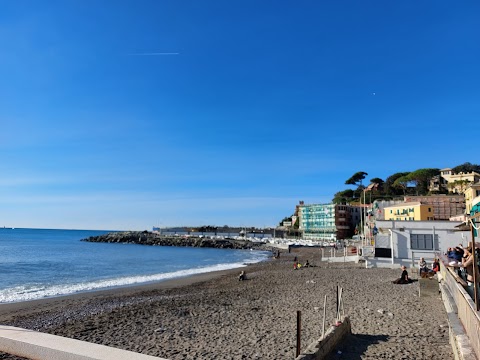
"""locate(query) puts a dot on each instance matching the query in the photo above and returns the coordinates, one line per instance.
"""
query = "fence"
(322, 348)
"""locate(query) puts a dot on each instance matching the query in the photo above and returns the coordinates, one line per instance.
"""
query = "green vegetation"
(415, 182)
(466, 168)
(356, 179)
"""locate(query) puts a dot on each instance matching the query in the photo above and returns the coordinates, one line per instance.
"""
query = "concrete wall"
(40, 346)
(322, 348)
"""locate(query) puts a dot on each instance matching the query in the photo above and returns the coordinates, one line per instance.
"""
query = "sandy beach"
(215, 316)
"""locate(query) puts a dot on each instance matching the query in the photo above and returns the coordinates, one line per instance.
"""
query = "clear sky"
(130, 114)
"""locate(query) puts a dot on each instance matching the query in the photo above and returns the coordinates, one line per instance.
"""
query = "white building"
(414, 239)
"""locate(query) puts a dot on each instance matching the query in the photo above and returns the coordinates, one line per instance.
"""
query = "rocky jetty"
(150, 238)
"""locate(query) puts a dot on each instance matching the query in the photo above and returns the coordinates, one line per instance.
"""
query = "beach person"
(242, 276)
(307, 264)
(422, 265)
(467, 263)
(435, 265)
(458, 253)
(404, 279)
(477, 251)
(295, 265)
(455, 253)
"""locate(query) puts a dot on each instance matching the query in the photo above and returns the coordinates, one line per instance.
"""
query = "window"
(429, 209)
(423, 242)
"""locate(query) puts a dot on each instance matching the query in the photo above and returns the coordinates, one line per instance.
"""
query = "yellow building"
(472, 196)
(411, 211)
(458, 182)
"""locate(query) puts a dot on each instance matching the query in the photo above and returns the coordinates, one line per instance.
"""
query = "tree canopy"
(356, 178)
(466, 168)
(421, 179)
(343, 197)
(389, 188)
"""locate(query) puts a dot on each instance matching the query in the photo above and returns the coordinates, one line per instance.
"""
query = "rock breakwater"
(150, 238)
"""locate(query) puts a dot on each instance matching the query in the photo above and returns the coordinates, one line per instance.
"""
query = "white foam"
(33, 292)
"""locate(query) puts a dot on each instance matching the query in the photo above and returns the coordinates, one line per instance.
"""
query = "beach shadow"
(353, 346)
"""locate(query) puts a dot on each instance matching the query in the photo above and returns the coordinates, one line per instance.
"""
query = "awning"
(462, 227)
(475, 214)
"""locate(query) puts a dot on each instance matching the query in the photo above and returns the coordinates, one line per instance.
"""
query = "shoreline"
(32, 306)
(133, 280)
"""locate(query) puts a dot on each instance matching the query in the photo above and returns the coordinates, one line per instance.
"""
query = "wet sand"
(215, 316)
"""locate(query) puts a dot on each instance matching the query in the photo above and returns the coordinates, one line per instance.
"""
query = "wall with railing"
(466, 309)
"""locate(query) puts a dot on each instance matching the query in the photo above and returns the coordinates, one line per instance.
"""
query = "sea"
(41, 263)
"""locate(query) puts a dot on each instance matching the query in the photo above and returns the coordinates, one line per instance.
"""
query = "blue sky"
(253, 105)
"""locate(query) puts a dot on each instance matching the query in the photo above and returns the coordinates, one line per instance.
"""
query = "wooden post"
(299, 332)
(338, 304)
(475, 280)
(324, 315)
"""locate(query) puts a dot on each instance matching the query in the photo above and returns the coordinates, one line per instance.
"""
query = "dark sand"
(215, 316)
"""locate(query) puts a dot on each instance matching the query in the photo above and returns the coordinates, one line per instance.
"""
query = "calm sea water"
(38, 263)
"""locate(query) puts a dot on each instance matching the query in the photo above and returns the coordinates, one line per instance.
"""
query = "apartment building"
(409, 211)
(328, 222)
(472, 197)
(453, 182)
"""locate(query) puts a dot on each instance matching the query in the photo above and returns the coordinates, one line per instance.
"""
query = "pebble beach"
(215, 316)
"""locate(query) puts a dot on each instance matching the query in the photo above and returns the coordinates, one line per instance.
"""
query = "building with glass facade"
(327, 222)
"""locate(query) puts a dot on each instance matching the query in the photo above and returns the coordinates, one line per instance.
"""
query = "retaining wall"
(322, 348)
(40, 346)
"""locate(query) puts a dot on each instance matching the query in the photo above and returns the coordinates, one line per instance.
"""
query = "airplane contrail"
(155, 54)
